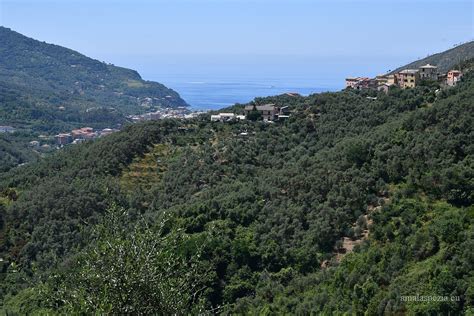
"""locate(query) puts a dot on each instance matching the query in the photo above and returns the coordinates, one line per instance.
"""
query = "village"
(80, 135)
(268, 113)
(179, 113)
(407, 78)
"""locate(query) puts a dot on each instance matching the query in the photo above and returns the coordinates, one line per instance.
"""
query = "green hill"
(46, 86)
(353, 205)
(15, 150)
(446, 60)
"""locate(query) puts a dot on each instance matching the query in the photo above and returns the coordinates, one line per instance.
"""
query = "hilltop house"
(283, 113)
(392, 79)
(223, 117)
(63, 139)
(408, 78)
(351, 82)
(108, 131)
(428, 72)
(381, 79)
(453, 77)
(385, 87)
(360, 83)
(269, 112)
(384, 81)
(83, 133)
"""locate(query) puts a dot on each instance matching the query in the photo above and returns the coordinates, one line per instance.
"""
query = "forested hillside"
(446, 60)
(15, 150)
(177, 217)
(49, 87)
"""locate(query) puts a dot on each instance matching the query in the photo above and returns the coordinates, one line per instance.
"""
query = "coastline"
(213, 93)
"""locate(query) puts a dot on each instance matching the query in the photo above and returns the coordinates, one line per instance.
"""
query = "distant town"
(80, 135)
(179, 112)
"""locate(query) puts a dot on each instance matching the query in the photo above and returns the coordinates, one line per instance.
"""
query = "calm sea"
(213, 93)
(217, 81)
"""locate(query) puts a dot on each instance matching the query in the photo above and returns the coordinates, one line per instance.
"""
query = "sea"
(214, 82)
(204, 93)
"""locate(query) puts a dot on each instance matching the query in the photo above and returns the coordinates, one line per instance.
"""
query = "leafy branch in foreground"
(140, 270)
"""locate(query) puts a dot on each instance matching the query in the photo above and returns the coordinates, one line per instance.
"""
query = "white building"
(225, 117)
(6, 129)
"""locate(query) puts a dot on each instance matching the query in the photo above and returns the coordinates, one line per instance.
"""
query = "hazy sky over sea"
(325, 39)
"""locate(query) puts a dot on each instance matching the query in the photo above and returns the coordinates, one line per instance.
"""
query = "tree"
(254, 115)
(139, 270)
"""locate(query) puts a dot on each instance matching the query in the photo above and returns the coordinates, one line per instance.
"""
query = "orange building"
(63, 139)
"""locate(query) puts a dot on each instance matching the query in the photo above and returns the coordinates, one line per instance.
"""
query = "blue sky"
(278, 37)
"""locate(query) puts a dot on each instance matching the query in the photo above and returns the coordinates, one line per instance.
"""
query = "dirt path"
(349, 244)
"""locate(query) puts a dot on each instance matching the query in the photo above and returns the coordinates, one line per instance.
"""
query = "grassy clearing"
(145, 171)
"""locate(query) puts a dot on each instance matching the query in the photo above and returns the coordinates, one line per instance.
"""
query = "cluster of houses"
(407, 78)
(268, 112)
(82, 134)
(179, 112)
(35, 144)
(87, 133)
(226, 117)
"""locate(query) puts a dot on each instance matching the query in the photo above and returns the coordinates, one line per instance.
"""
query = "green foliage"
(254, 116)
(375, 278)
(14, 151)
(267, 209)
(126, 269)
(136, 270)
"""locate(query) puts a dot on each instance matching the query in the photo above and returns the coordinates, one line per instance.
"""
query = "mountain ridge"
(58, 77)
(445, 60)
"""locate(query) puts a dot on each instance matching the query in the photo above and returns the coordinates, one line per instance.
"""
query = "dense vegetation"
(446, 60)
(15, 150)
(193, 216)
(46, 87)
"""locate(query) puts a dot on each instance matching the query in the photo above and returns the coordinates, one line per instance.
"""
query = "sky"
(279, 38)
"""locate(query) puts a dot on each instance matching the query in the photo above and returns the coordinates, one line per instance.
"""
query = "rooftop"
(356, 78)
(265, 107)
(409, 71)
(429, 66)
